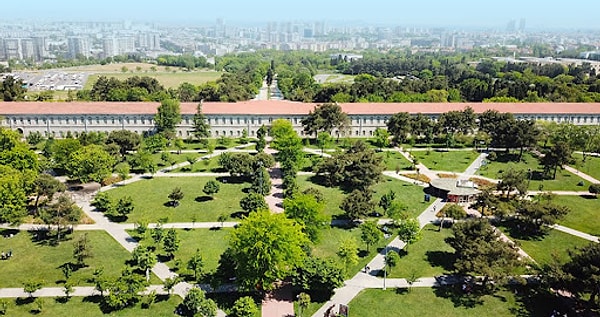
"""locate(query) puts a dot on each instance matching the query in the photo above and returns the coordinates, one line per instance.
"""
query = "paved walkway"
(275, 197)
(316, 152)
(576, 233)
(581, 174)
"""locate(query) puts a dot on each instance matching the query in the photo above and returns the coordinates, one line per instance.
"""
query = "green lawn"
(564, 180)
(394, 161)
(584, 213)
(329, 243)
(90, 307)
(409, 194)
(151, 202)
(429, 256)
(453, 161)
(204, 166)
(167, 79)
(211, 243)
(552, 246)
(178, 158)
(40, 261)
(423, 302)
(590, 167)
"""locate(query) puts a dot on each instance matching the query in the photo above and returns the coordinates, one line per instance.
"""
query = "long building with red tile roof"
(230, 119)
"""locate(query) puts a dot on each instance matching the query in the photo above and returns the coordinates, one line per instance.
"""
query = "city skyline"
(537, 14)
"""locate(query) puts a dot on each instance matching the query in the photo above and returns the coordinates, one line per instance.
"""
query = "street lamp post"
(385, 267)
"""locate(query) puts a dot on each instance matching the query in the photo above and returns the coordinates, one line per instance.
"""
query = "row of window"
(259, 121)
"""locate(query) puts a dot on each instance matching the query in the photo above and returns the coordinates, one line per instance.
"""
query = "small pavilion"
(455, 190)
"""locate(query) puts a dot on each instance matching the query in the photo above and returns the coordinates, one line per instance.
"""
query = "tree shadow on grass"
(239, 215)
(45, 237)
(458, 297)
(202, 199)
(516, 230)
(20, 301)
(231, 180)
(443, 259)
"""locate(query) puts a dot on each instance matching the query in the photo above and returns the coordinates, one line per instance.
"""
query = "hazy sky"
(495, 13)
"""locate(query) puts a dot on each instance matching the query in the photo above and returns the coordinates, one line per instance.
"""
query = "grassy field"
(151, 202)
(167, 79)
(210, 165)
(550, 247)
(564, 180)
(211, 243)
(409, 194)
(591, 166)
(453, 161)
(429, 256)
(394, 160)
(90, 307)
(40, 261)
(116, 67)
(584, 213)
(423, 302)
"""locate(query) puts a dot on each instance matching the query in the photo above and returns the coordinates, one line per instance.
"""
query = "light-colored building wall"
(227, 125)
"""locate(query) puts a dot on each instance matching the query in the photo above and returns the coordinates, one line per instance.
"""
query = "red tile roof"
(282, 107)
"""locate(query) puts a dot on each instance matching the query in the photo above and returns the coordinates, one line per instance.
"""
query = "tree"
(397, 212)
(557, 156)
(512, 179)
(386, 200)
(253, 202)
(12, 89)
(325, 117)
(62, 213)
(82, 250)
(100, 282)
(392, 258)
(142, 161)
(195, 303)
(196, 265)
(175, 196)
(46, 185)
(363, 168)
(123, 207)
(318, 276)
(244, 307)
(12, 196)
(454, 212)
(261, 143)
(31, 286)
(409, 231)
(303, 302)
(155, 143)
(266, 247)
(323, 140)
(399, 126)
(261, 182)
(580, 276)
(61, 151)
(358, 204)
(479, 251)
(211, 187)
(125, 290)
(382, 138)
(168, 116)
(308, 211)
(171, 243)
(534, 216)
(370, 233)
(222, 218)
(348, 252)
(144, 258)
(169, 283)
(125, 139)
(102, 201)
(68, 289)
(90, 163)
(594, 189)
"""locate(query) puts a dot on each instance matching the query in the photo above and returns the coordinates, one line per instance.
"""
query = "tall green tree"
(12, 89)
(196, 265)
(168, 116)
(13, 197)
(479, 251)
(90, 163)
(61, 214)
(195, 303)
(171, 243)
(326, 117)
(261, 181)
(253, 202)
(370, 233)
(358, 204)
(46, 185)
(244, 307)
(409, 231)
(308, 211)
(125, 139)
(266, 247)
(399, 126)
(82, 250)
(201, 129)
(144, 258)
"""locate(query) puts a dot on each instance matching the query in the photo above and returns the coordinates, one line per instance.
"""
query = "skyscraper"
(78, 46)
